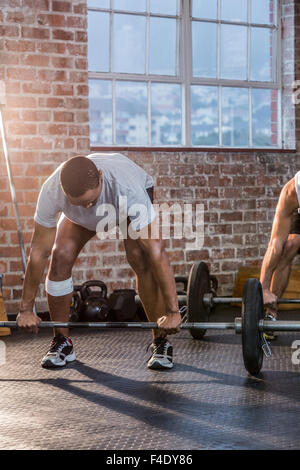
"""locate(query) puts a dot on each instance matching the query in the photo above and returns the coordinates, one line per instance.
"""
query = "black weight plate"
(198, 285)
(252, 313)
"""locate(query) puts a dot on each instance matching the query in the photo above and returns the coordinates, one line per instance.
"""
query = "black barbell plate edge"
(252, 313)
(198, 285)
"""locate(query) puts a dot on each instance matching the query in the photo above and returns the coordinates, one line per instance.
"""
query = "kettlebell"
(181, 280)
(75, 304)
(122, 305)
(94, 306)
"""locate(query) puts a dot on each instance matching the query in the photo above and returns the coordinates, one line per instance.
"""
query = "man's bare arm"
(287, 204)
(41, 246)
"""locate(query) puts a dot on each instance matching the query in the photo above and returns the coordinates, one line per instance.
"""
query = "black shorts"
(150, 192)
(295, 228)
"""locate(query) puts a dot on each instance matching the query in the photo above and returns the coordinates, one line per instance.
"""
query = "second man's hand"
(170, 323)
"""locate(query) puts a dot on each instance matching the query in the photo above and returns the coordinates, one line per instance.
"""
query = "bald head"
(78, 175)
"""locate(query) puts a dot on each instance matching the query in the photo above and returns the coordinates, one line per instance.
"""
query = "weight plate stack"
(252, 313)
(198, 284)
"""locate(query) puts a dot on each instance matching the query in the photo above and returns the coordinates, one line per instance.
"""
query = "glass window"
(162, 54)
(234, 10)
(100, 109)
(131, 113)
(98, 45)
(130, 5)
(205, 9)
(204, 115)
(204, 49)
(263, 11)
(166, 125)
(264, 120)
(234, 52)
(98, 3)
(129, 43)
(235, 117)
(165, 7)
(261, 54)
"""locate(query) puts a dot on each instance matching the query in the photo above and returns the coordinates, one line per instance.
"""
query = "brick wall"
(43, 62)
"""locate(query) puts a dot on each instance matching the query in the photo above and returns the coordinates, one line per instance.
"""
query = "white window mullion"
(114, 112)
(187, 66)
(220, 115)
(219, 42)
(250, 119)
(149, 113)
(147, 36)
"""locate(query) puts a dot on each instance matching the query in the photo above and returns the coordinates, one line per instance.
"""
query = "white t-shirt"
(120, 177)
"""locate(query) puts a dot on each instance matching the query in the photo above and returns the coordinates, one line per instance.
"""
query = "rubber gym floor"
(108, 399)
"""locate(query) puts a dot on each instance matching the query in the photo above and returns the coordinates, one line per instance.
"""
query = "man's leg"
(281, 275)
(147, 287)
(69, 241)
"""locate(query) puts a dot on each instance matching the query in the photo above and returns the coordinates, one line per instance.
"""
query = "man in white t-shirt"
(283, 247)
(82, 197)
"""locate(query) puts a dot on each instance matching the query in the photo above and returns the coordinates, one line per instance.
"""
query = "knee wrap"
(59, 288)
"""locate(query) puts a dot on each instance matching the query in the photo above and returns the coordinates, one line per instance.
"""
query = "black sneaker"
(60, 352)
(162, 355)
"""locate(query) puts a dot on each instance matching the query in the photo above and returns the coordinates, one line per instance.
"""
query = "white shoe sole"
(53, 363)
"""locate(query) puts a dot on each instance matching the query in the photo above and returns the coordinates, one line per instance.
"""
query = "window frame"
(185, 78)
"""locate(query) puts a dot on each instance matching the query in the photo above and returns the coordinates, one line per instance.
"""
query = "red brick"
(9, 31)
(35, 33)
(36, 4)
(78, 130)
(51, 47)
(53, 129)
(62, 6)
(42, 88)
(35, 60)
(80, 8)
(63, 116)
(80, 36)
(82, 116)
(52, 20)
(77, 77)
(53, 75)
(63, 89)
(76, 22)
(22, 128)
(82, 90)
(19, 46)
(9, 59)
(21, 73)
(63, 35)
(37, 143)
(62, 62)
(51, 102)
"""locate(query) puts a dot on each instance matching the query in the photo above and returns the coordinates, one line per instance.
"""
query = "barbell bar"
(264, 325)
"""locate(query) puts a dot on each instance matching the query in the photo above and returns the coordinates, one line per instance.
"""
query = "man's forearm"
(34, 271)
(269, 265)
(164, 275)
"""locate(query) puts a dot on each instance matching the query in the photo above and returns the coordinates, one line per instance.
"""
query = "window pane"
(263, 11)
(264, 118)
(98, 3)
(100, 108)
(131, 113)
(261, 54)
(166, 114)
(205, 9)
(162, 50)
(204, 115)
(234, 10)
(235, 117)
(98, 43)
(204, 49)
(130, 5)
(234, 52)
(129, 43)
(165, 7)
